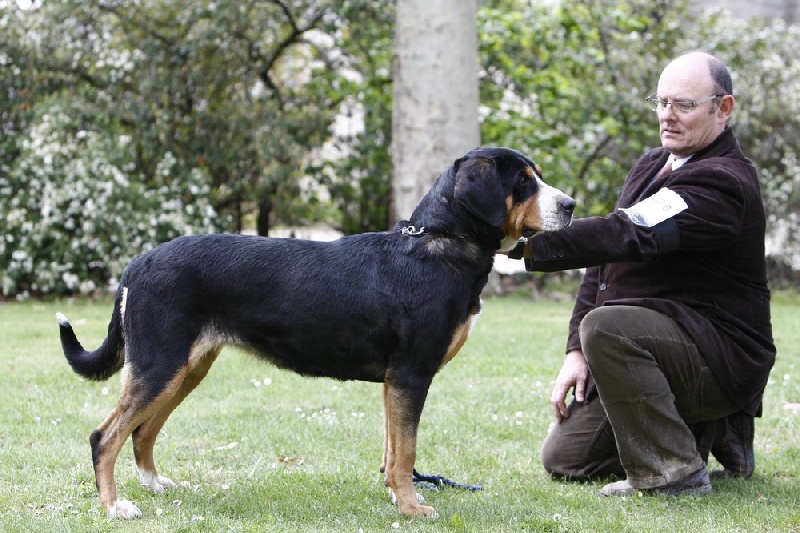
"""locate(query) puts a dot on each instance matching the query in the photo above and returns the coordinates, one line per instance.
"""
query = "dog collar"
(412, 230)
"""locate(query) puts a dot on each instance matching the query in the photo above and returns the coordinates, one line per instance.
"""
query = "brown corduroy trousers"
(653, 389)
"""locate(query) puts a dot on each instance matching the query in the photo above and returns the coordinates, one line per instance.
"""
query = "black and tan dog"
(391, 307)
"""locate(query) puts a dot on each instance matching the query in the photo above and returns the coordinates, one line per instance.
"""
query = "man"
(670, 342)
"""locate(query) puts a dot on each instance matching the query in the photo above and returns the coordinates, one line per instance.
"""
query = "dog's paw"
(154, 482)
(393, 497)
(429, 512)
(123, 509)
(418, 511)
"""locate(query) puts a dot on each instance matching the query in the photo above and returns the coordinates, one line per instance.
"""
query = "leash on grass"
(435, 482)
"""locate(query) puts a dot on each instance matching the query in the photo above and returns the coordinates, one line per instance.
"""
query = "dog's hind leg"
(403, 407)
(144, 436)
(136, 404)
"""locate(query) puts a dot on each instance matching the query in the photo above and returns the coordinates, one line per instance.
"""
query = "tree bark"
(435, 113)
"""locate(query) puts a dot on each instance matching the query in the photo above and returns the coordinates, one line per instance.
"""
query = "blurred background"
(126, 123)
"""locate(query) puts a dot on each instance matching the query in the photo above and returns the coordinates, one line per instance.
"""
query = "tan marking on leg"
(144, 438)
(402, 456)
(386, 429)
(130, 412)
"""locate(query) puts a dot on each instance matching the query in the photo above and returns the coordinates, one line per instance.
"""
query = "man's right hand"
(574, 374)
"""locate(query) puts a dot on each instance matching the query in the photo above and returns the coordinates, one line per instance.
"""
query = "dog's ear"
(457, 163)
(479, 190)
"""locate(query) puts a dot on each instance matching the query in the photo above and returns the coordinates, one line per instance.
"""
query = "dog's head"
(504, 189)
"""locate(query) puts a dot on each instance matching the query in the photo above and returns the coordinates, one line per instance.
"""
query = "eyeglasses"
(684, 108)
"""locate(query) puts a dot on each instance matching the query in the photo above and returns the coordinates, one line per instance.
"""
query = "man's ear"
(726, 105)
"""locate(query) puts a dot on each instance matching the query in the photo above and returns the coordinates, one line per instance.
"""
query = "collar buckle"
(412, 230)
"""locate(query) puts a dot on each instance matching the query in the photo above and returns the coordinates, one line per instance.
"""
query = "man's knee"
(555, 461)
(578, 466)
(549, 455)
(583, 446)
(604, 321)
(615, 329)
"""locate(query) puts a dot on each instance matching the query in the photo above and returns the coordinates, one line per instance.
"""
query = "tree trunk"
(435, 115)
(264, 211)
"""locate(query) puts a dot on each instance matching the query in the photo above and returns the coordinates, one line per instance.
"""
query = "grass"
(258, 449)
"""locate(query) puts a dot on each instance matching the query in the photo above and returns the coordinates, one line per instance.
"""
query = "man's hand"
(573, 374)
(518, 252)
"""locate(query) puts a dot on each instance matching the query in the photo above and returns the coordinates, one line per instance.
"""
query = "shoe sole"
(688, 491)
(702, 490)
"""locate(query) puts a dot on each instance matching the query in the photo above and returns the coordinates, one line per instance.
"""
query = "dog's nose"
(567, 205)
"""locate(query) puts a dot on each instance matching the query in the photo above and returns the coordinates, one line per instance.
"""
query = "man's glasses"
(656, 104)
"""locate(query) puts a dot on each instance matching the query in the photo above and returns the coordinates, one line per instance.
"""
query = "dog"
(388, 307)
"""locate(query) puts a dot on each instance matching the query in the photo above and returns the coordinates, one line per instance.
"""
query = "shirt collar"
(677, 163)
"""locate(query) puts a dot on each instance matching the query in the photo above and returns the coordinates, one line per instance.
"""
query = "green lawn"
(258, 449)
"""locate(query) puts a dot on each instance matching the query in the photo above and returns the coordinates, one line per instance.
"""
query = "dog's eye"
(526, 176)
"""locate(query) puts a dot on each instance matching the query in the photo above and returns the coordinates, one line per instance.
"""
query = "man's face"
(688, 80)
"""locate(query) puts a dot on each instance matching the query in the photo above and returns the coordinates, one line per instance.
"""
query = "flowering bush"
(72, 215)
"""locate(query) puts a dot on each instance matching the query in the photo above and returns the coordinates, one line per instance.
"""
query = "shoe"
(618, 488)
(693, 484)
(733, 446)
(697, 483)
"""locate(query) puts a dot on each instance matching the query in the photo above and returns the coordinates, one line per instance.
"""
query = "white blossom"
(75, 216)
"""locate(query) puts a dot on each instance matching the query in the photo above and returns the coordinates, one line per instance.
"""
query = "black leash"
(435, 482)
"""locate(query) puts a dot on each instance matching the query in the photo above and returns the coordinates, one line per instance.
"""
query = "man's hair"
(721, 76)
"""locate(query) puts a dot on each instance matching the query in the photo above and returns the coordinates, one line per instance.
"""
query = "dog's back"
(346, 309)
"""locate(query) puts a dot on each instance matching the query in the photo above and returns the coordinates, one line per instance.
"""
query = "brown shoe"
(733, 446)
(692, 485)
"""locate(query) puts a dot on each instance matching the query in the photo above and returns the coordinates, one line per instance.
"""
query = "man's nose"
(667, 111)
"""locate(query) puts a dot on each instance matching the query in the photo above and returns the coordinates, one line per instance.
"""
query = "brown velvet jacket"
(704, 266)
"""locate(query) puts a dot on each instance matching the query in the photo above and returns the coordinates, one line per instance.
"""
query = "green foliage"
(358, 174)
(259, 449)
(567, 85)
(279, 111)
(223, 86)
(73, 218)
(191, 104)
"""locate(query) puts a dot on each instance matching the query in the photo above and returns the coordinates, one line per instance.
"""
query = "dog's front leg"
(402, 408)
(386, 439)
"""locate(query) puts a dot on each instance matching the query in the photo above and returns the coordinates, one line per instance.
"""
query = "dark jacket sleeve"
(712, 221)
(595, 241)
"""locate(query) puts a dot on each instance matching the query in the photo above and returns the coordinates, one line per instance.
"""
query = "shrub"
(74, 216)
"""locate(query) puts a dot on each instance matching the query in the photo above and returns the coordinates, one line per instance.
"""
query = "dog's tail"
(101, 363)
